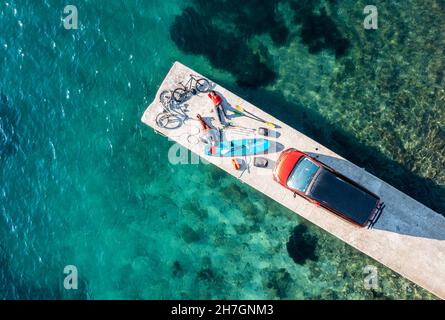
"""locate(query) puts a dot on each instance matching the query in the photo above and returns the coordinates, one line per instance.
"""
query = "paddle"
(244, 115)
(254, 117)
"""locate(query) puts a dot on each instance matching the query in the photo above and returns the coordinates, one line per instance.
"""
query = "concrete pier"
(409, 238)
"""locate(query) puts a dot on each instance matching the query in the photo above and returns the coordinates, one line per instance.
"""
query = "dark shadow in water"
(281, 282)
(302, 245)
(221, 31)
(193, 32)
(177, 269)
(253, 17)
(335, 138)
(318, 30)
(394, 218)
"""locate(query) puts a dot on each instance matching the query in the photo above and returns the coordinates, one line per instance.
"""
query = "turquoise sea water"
(83, 182)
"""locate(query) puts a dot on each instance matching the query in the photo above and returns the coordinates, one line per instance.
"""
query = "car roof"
(343, 196)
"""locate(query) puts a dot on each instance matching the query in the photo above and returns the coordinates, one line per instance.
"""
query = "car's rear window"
(302, 174)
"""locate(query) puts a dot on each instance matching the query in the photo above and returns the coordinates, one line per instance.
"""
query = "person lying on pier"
(209, 135)
(218, 104)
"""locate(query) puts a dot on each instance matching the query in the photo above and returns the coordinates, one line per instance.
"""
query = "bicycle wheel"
(179, 95)
(165, 97)
(168, 121)
(202, 85)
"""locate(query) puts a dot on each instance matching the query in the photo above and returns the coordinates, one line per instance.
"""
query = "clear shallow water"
(83, 182)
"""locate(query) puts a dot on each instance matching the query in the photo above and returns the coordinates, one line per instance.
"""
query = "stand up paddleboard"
(236, 148)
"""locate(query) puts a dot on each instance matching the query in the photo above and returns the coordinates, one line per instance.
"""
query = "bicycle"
(173, 115)
(166, 98)
(169, 118)
(191, 87)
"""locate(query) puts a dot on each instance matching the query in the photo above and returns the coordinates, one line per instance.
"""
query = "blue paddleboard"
(236, 148)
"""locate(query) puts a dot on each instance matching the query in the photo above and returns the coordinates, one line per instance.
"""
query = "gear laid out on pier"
(309, 179)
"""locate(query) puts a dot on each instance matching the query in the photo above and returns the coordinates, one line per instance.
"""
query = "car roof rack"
(377, 215)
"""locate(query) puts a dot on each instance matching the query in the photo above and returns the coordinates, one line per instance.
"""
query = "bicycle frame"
(189, 84)
(191, 87)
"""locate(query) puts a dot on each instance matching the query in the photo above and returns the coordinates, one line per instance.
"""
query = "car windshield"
(302, 174)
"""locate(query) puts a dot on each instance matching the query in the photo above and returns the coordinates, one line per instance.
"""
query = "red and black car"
(322, 185)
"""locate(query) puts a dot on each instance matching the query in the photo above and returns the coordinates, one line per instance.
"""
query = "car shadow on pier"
(399, 216)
